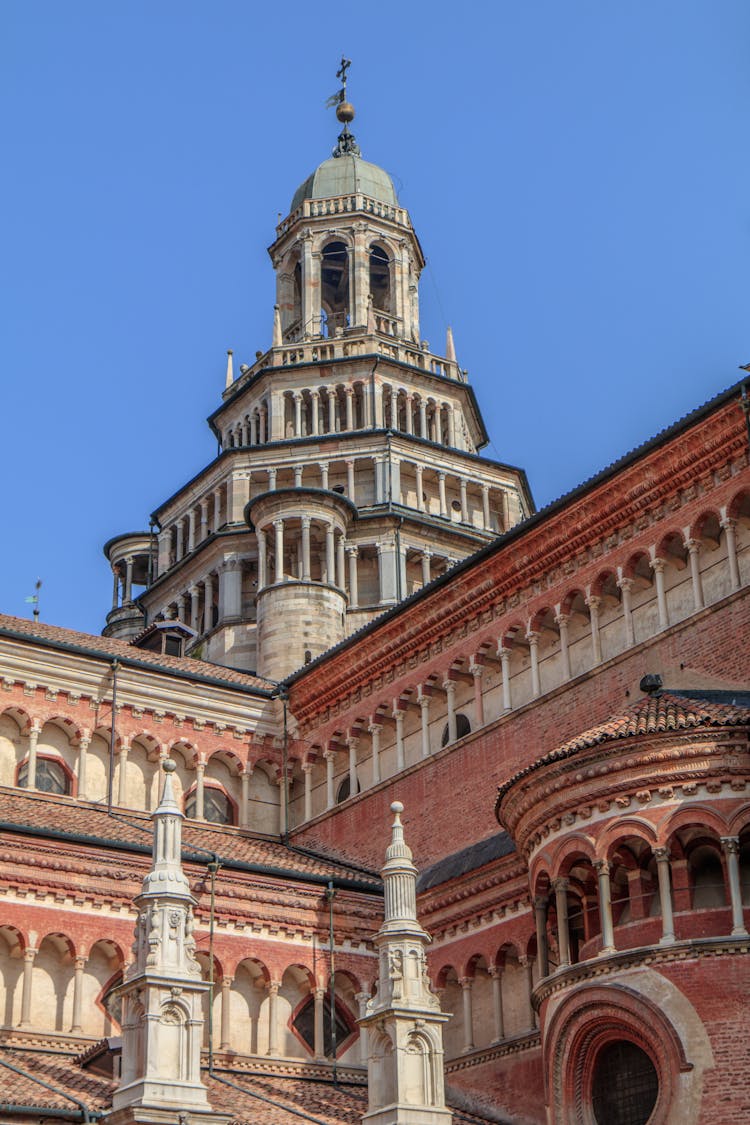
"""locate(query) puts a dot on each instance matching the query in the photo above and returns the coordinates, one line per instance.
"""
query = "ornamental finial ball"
(345, 112)
(169, 765)
(397, 807)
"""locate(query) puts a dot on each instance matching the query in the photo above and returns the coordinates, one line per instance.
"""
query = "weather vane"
(33, 599)
(347, 146)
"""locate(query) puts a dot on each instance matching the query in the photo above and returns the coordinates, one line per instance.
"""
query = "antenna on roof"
(33, 599)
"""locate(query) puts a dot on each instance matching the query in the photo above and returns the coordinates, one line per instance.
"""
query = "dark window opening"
(217, 808)
(463, 727)
(380, 280)
(173, 645)
(334, 278)
(345, 790)
(304, 1024)
(625, 1085)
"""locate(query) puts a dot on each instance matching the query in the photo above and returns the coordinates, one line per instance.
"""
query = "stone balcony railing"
(341, 205)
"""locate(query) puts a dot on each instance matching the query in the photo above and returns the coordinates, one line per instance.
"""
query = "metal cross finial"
(341, 72)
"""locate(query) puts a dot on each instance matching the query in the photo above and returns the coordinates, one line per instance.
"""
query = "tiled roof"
(61, 817)
(659, 713)
(468, 859)
(248, 1099)
(108, 646)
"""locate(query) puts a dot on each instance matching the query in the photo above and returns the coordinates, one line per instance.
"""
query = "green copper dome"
(345, 175)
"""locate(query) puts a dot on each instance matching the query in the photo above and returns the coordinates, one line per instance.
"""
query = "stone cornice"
(500, 1050)
(650, 956)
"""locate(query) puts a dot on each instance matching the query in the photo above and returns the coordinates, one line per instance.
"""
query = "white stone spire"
(450, 347)
(230, 369)
(403, 1021)
(277, 341)
(162, 1020)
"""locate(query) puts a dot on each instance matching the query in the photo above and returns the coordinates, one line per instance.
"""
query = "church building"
(383, 796)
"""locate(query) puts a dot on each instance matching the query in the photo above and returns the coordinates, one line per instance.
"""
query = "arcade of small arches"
(642, 886)
(350, 407)
(57, 984)
(627, 603)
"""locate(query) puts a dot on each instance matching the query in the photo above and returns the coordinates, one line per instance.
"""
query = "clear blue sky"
(577, 173)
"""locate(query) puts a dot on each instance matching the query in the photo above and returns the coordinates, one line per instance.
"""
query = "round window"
(625, 1085)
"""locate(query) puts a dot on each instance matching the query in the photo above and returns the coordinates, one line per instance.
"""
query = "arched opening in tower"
(334, 296)
(380, 280)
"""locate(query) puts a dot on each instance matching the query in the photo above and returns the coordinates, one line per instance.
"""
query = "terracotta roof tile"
(659, 713)
(108, 646)
(249, 1099)
(66, 816)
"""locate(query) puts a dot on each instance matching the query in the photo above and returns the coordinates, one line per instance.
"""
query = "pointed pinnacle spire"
(166, 874)
(276, 327)
(450, 347)
(230, 369)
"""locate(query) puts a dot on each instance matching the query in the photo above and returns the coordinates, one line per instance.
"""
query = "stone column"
(560, 887)
(496, 973)
(194, 596)
(561, 620)
(693, 548)
(305, 548)
(330, 757)
(181, 608)
(217, 508)
(79, 965)
(307, 772)
(245, 777)
(486, 518)
(466, 984)
(729, 526)
(271, 480)
(272, 988)
(462, 484)
(297, 414)
(540, 921)
(28, 975)
(128, 595)
(315, 411)
(596, 642)
(330, 572)
(200, 768)
(350, 479)
(477, 671)
(351, 551)
(451, 427)
(626, 587)
(310, 289)
(191, 531)
(298, 476)
(283, 796)
(179, 548)
(278, 527)
(731, 846)
(323, 466)
(423, 430)
(536, 687)
(83, 746)
(409, 413)
(426, 561)
(349, 393)
(504, 654)
(398, 716)
(331, 410)
(374, 730)
(449, 687)
(605, 905)
(424, 706)
(665, 895)
(341, 562)
(441, 492)
(116, 583)
(122, 780)
(394, 409)
(419, 471)
(31, 760)
(657, 566)
(529, 965)
(353, 744)
(226, 1000)
(208, 602)
(204, 518)
(262, 559)
(319, 1024)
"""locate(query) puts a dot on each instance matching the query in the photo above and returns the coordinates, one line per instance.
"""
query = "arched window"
(625, 1085)
(303, 1024)
(334, 278)
(345, 790)
(463, 727)
(51, 776)
(380, 279)
(217, 808)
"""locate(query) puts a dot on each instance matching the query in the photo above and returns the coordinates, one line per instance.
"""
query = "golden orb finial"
(345, 112)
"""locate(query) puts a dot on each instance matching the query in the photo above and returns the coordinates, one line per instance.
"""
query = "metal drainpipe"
(111, 776)
(283, 696)
(330, 895)
(213, 867)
